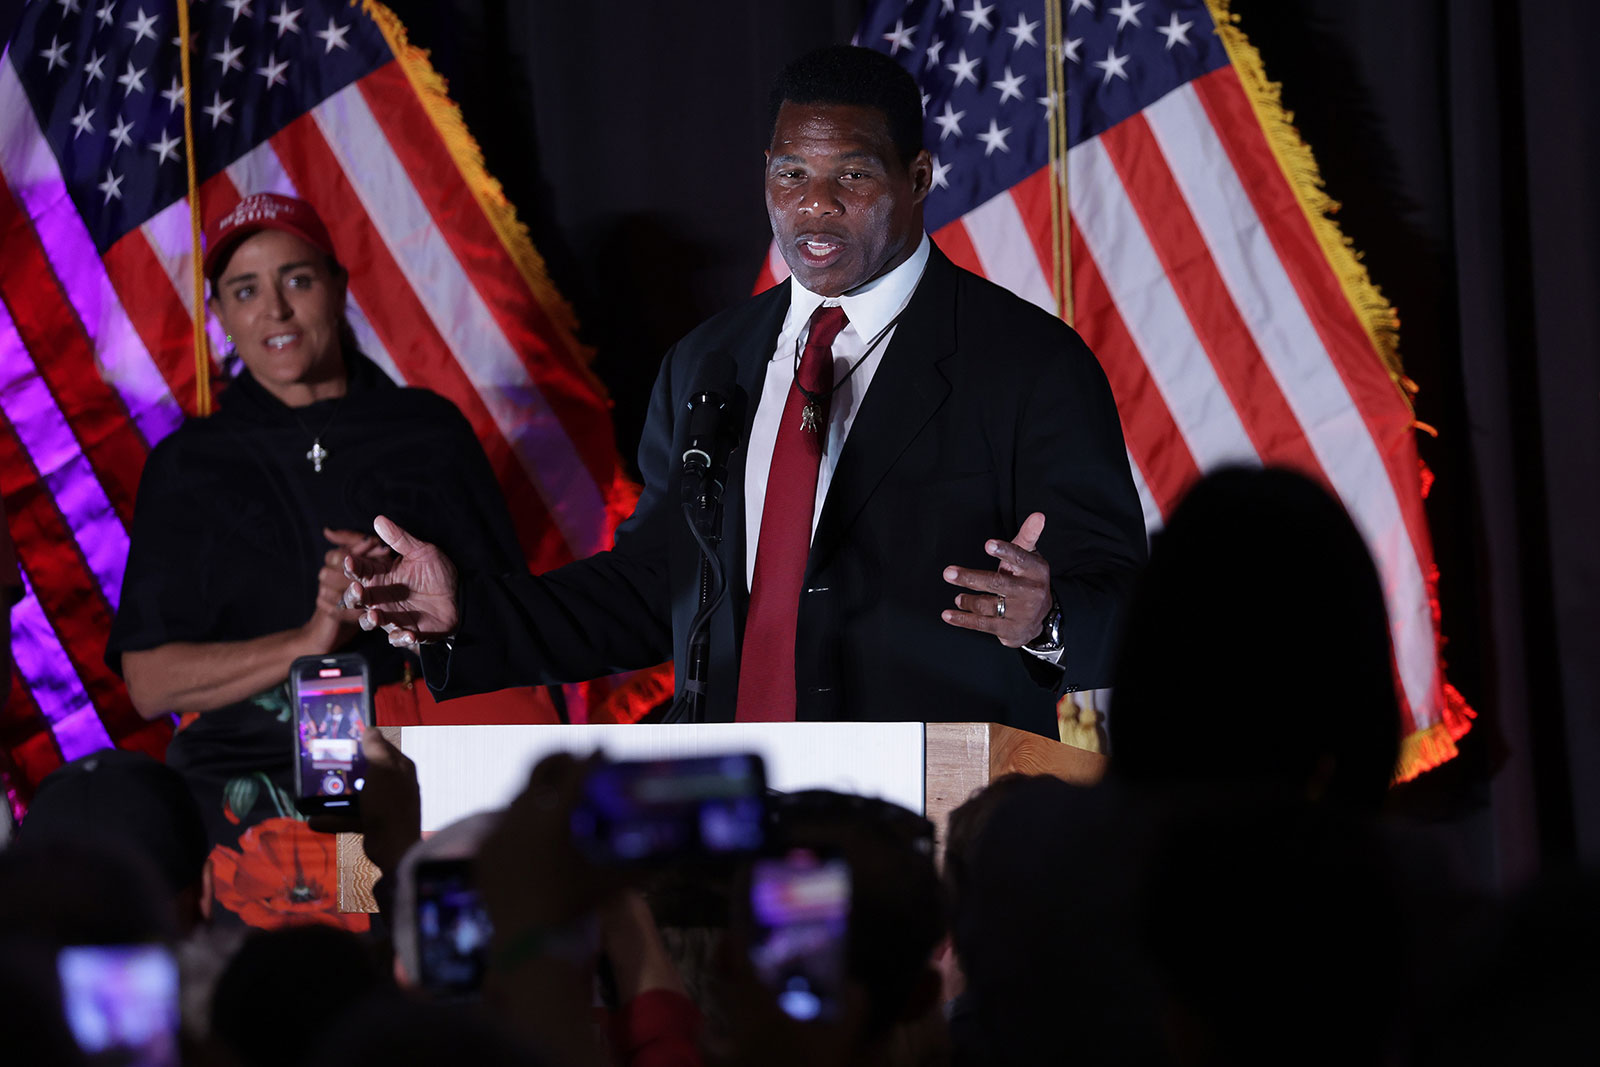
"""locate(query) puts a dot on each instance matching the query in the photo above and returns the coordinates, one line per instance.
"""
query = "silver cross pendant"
(317, 455)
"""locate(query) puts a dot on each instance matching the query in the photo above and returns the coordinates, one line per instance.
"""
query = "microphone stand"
(693, 701)
(702, 510)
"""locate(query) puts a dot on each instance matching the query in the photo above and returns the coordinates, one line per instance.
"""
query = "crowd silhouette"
(1232, 893)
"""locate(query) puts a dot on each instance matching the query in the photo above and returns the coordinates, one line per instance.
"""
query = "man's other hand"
(410, 595)
(1011, 602)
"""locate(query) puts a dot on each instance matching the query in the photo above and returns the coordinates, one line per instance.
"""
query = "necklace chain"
(811, 414)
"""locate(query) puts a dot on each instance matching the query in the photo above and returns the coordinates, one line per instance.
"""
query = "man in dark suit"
(893, 416)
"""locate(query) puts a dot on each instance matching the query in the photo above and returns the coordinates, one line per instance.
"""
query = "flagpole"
(1060, 205)
(202, 348)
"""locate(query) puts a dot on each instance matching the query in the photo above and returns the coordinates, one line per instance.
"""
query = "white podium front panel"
(467, 769)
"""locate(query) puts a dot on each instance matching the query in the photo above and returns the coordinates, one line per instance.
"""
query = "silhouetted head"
(286, 988)
(1256, 649)
(129, 800)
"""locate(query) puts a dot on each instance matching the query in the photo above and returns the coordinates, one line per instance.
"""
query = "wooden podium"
(930, 768)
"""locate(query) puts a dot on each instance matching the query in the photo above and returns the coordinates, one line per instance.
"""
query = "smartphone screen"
(800, 911)
(453, 929)
(122, 1001)
(332, 701)
(702, 807)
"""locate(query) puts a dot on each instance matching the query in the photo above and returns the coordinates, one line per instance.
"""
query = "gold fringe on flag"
(1376, 315)
(202, 342)
(432, 90)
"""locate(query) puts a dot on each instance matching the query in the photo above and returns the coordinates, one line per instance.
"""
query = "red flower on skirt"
(282, 874)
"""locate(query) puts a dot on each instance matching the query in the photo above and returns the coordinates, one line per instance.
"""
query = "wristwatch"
(1049, 639)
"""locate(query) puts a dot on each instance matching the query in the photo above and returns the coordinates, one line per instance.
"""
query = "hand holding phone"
(332, 710)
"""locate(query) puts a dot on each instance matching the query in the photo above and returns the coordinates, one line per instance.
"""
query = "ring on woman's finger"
(1000, 608)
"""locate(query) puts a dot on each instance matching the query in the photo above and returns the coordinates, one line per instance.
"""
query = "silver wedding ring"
(1000, 608)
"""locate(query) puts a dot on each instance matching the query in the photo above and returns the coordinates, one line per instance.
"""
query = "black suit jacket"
(983, 409)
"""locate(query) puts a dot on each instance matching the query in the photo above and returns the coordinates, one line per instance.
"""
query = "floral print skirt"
(268, 868)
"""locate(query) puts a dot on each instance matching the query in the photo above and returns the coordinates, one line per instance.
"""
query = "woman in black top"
(241, 527)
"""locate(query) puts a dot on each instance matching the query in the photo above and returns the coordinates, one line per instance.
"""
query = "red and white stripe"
(1226, 336)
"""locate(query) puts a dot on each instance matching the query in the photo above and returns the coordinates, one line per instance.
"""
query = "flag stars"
(111, 187)
(1114, 65)
(219, 110)
(131, 80)
(1079, 5)
(82, 122)
(1069, 50)
(104, 15)
(240, 8)
(286, 20)
(55, 55)
(994, 137)
(228, 58)
(69, 7)
(174, 93)
(95, 68)
(273, 72)
(933, 54)
(167, 148)
(1022, 32)
(333, 37)
(899, 37)
(120, 132)
(1126, 12)
(964, 69)
(142, 26)
(1175, 32)
(949, 122)
(1010, 86)
(978, 15)
(940, 174)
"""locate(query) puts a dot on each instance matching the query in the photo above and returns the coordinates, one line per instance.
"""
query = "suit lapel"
(906, 390)
(751, 372)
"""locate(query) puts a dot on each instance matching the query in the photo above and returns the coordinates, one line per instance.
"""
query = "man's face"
(844, 208)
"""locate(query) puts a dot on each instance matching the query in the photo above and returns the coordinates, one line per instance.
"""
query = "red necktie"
(766, 668)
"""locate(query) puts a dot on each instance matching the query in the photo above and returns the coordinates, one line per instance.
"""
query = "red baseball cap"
(263, 211)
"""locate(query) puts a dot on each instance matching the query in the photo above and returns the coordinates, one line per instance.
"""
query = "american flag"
(1234, 323)
(314, 98)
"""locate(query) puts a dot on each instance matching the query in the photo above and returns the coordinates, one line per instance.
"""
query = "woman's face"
(281, 302)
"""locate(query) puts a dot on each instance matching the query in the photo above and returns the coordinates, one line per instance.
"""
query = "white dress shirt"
(869, 309)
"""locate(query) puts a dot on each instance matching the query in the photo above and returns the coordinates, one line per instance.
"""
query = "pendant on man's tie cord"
(808, 417)
(317, 455)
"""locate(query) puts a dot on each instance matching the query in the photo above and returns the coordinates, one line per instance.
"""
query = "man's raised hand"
(1011, 602)
(410, 595)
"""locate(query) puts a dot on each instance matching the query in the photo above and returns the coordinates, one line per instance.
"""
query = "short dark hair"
(858, 77)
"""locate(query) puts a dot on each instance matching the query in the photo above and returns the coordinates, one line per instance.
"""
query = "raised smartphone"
(703, 807)
(800, 918)
(332, 709)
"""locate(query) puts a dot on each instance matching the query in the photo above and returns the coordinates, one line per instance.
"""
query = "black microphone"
(706, 423)
(705, 458)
